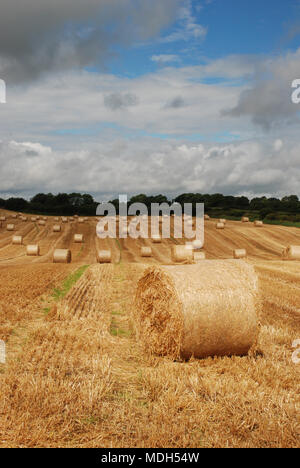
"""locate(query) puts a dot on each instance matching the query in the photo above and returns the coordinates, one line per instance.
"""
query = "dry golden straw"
(17, 240)
(208, 309)
(239, 253)
(104, 256)
(182, 253)
(62, 256)
(199, 256)
(146, 252)
(33, 250)
(292, 252)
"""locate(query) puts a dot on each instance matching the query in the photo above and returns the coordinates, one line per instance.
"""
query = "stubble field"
(75, 374)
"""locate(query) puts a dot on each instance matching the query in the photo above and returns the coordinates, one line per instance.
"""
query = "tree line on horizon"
(287, 207)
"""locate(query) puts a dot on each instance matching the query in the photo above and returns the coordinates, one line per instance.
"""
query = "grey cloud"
(116, 101)
(42, 35)
(176, 103)
(268, 102)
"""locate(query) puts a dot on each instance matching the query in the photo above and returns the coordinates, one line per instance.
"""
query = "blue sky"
(234, 27)
(150, 96)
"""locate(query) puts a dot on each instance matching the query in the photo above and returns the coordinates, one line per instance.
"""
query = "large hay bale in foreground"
(62, 256)
(10, 227)
(146, 252)
(33, 250)
(182, 253)
(208, 309)
(292, 252)
(78, 238)
(17, 240)
(104, 256)
(239, 253)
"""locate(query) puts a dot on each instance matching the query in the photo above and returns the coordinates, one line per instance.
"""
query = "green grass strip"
(60, 293)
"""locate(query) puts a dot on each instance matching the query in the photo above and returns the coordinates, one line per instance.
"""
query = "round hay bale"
(24, 218)
(38, 218)
(64, 220)
(17, 240)
(45, 218)
(81, 220)
(78, 238)
(33, 219)
(245, 219)
(197, 244)
(146, 252)
(62, 256)
(56, 219)
(239, 253)
(156, 239)
(182, 253)
(104, 256)
(42, 223)
(2, 218)
(56, 228)
(220, 226)
(208, 309)
(258, 223)
(199, 256)
(10, 227)
(33, 250)
(223, 221)
(14, 216)
(124, 231)
(206, 217)
(292, 252)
